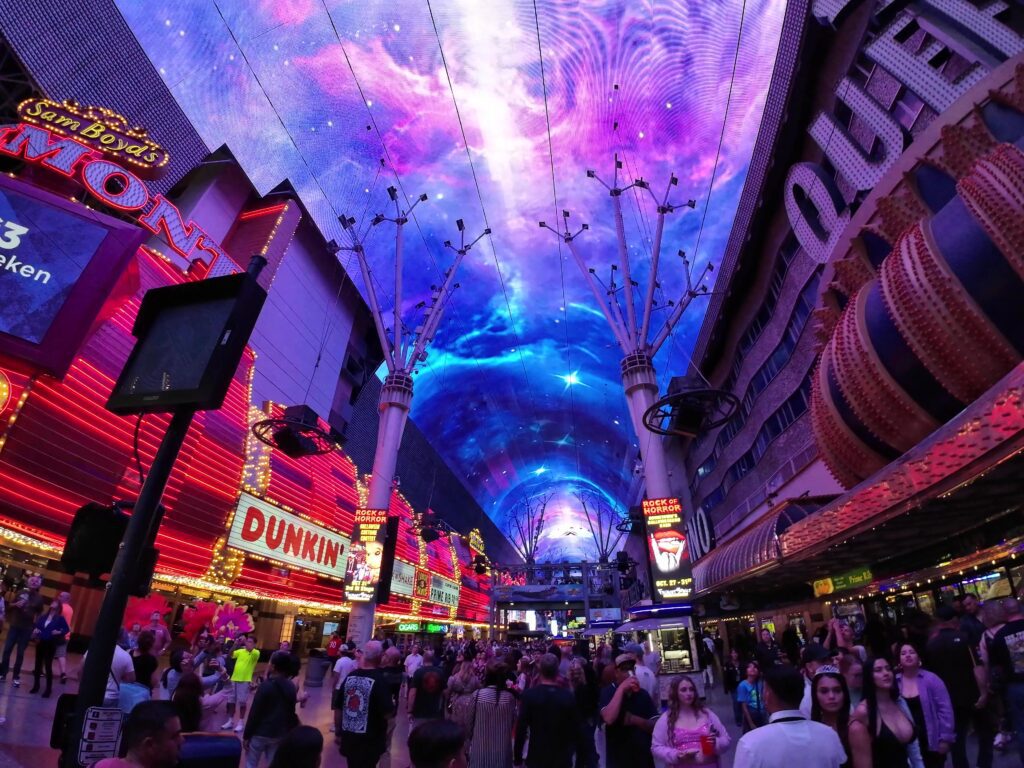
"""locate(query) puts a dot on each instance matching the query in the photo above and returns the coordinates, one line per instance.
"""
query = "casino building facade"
(868, 320)
(60, 449)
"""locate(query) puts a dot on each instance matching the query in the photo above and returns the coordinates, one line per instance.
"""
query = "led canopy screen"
(496, 109)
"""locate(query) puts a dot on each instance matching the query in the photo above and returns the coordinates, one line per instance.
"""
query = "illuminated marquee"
(100, 128)
(262, 529)
(667, 547)
(113, 185)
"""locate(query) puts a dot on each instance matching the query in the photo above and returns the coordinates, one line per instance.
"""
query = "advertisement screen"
(58, 264)
(667, 549)
(362, 571)
(43, 252)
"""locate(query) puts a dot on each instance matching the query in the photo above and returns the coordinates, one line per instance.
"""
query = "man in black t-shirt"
(549, 717)
(366, 706)
(1007, 658)
(426, 692)
(626, 710)
(952, 656)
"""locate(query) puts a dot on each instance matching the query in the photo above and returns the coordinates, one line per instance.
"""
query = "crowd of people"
(880, 695)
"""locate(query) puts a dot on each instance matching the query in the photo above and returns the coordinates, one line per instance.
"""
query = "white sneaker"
(227, 726)
(240, 727)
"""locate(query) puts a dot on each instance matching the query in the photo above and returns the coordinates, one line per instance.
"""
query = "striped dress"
(491, 719)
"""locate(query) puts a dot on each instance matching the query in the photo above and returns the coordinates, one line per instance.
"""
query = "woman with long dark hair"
(197, 712)
(49, 630)
(688, 733)
(830, 704)
(144, 661)
(491, 719)
(890, 725)
(930, 705)
(462, 685)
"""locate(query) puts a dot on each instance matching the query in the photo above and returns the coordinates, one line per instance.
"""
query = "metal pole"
(96, 669)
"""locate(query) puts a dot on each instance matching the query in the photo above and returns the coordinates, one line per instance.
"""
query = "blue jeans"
(20, 637)
(259, 746)
(1015, 711)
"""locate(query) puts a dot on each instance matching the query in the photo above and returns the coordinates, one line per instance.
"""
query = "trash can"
(316, 669)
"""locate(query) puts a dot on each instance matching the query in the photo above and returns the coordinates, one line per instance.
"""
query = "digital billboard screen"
(668, 549)
(58, 263)
(362, 570)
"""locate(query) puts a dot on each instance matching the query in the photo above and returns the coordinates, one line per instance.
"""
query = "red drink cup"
(707, 746)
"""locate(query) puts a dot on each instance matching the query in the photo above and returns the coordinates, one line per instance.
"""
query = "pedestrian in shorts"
(245, 659)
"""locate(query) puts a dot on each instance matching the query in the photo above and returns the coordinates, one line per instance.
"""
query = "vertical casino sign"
(667, 549)
(362, 570)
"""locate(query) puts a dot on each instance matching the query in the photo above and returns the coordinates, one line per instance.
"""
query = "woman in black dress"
(890, 726)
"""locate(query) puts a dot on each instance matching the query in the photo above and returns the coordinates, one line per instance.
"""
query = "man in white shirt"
(647, 679)
(413, 662)
(122, 670)
(789, 738)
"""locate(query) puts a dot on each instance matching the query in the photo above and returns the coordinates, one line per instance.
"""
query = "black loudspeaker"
(95, 535)
(190, 340)
(387, 563)
(144, 575)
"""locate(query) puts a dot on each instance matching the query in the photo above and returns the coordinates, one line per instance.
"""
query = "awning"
(597, 631)
(646, 625)
(755, 548)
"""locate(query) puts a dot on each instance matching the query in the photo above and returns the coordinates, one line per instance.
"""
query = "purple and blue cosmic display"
(521, 390)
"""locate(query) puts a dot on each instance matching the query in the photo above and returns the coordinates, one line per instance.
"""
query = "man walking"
(241, 681)
(273, 712)
(789, 738)
(1007, 654)
(23, 615)
(627, 709)
(954, 659)
(366, 709)
(426, 692)
(549, 717)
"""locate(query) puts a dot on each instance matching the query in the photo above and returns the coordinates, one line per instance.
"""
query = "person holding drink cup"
(688, 733)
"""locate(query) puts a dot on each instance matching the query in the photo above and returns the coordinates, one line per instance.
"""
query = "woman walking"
(890, 726)
(930, 706)
(491, 718)
(461, 687)
(49, 630)
(688, 733)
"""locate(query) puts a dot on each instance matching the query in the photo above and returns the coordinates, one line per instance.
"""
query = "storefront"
(670, 632)
(244, 524)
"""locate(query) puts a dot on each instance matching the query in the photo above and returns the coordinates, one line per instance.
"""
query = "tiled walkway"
(25, 734)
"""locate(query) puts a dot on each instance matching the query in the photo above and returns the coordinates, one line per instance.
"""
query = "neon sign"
(362, 570)
(100, 128)
(113, 185)
(5, 391)
(667, 546)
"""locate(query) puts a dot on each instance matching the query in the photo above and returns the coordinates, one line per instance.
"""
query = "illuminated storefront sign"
(262, 529)
(429, 627)
(666, 542)
(444, 591)
(102, 129)
(113, 185)
(421, 589)
(476, 540)
(402, 579)
(362, 569)
(849, 580)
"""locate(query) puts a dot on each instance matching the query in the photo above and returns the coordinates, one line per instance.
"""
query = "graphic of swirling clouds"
(521, 390)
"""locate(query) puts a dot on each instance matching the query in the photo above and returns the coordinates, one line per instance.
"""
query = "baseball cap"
(344, 647)
(635, 648)
(625, 658)
(815, 652)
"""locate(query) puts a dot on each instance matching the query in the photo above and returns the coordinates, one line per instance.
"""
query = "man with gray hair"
(366, 705)
(548, 716)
